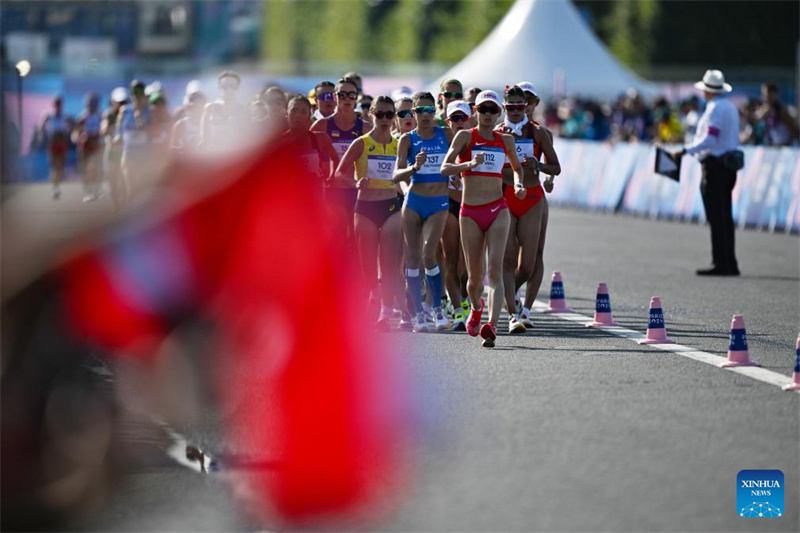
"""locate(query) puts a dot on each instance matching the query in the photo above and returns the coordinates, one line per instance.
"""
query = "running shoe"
(405, 321)
(465, 307)
(440, 321)
(515, 325)
(474, 321)
(459, 321)
(383, 320)
(488, 334)
(420, 324)
(525, 318)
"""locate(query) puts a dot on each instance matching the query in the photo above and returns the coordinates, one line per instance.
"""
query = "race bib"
(524, 148)
(380, 167)
(433, 164)
(493, 159)
(341, 148)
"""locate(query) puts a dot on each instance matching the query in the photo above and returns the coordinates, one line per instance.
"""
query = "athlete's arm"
(460, 141)
(544, 139)
(326, 147)
(511, 152)
(402, 172)
(319, 125)
(346, 168)
(118, 127)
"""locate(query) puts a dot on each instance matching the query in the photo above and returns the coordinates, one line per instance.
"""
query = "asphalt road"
(563, 428)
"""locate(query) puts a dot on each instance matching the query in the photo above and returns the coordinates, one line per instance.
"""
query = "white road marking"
(753, 372)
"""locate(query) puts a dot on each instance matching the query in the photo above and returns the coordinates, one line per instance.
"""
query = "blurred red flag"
(318, 393)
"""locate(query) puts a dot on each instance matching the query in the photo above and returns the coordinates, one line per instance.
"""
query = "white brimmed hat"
(528, 87)
(713, 82)
(457, 106)
(488, 96)
(119, 95)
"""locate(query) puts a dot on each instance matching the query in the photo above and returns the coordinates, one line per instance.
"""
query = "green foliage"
(630, 25)
(399, 38)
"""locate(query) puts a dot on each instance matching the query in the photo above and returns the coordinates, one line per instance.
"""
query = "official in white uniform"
(716, 145)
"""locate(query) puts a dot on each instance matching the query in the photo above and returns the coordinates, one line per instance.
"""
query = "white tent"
(547, 43)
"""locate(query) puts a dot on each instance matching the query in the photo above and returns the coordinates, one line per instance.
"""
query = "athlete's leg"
(366, 234)
(391, 247)
(528, 235)
(535, 281)
(496, 239)
(510, 260)
(412, 235)
(451, 246)
(473, 243)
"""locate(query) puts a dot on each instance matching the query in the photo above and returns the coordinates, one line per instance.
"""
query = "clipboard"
(666, 165)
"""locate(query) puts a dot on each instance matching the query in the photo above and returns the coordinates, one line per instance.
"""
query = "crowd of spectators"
(764, 120)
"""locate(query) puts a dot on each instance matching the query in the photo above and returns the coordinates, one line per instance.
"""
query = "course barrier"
(620, 177)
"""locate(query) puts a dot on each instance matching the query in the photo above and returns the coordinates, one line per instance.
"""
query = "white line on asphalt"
(753, 372)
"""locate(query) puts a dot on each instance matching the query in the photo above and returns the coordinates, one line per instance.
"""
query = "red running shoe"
(488, 334)
(474, 320)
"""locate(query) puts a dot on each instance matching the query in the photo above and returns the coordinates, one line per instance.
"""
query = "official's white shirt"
(717, 129)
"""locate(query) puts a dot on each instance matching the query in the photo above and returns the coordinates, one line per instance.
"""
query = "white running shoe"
(420, 324)
(525, 318)
(515, 326)
(440, 320)
(405, 322)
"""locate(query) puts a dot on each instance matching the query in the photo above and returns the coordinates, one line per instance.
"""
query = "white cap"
(528, 87)
(488, 96)
(458, 105)
(119, 95)
(152, 88)
(402, 92)
(194, 86)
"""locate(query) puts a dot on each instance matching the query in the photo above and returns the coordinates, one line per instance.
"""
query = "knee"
(429, 256)
(495, 275)
(524, 272)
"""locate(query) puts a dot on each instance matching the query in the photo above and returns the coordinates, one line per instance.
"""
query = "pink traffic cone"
(737, 350)
(656, 330)
(602, 309)
(558, 303)
(795, 385)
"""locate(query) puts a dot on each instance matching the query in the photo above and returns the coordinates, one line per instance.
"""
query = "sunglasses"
(404, 113)
(515, 107)
(324, 97)
(459, 117)
(488, 110)
(352, 95)
(383, 114)
(365, 105)
(429, 109)
(138, 91)
(456, 95)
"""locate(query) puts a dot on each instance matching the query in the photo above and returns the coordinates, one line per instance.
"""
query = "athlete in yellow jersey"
(378, 229)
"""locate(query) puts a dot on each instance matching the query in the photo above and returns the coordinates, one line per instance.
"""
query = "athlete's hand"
(421, 158)
(548, 184)
(531, 162)
(519, 191)
(363, 183)
(478, 159)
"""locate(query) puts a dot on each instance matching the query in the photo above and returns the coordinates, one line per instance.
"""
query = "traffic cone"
(795, 385)
(737, 350)
(602, 309)
(558, 303)
(656, 330)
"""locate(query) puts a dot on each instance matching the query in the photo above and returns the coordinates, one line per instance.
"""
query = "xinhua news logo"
(759, 493)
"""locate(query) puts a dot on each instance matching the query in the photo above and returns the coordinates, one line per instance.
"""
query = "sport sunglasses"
(404, 113)
(488, 110)
(425, 109)
(515, 107)
(352, 95)
(456, 95)
(459, 117)
(383, 114)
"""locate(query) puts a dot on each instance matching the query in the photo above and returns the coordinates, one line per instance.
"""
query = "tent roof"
(547, 43)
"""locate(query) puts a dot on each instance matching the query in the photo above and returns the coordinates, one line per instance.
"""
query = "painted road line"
(759, 374)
